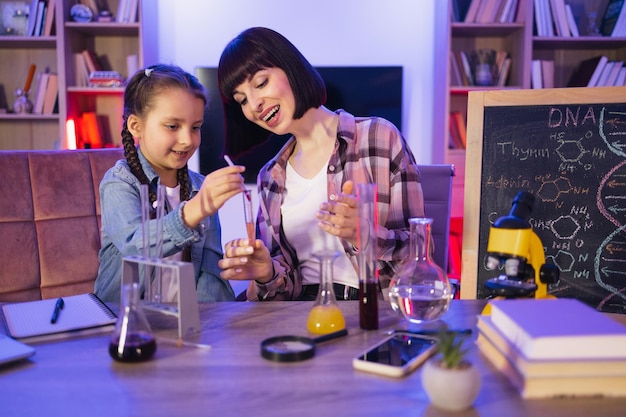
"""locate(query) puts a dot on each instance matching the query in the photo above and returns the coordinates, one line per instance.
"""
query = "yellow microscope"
(513, 242)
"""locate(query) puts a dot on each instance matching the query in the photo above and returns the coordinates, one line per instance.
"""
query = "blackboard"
(568, 148)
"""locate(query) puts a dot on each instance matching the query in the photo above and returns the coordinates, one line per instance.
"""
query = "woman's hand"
(339, 217)
(216, 189)
(244, 262)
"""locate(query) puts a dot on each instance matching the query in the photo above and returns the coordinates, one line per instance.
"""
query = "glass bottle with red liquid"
(367, 257)
(132, 340)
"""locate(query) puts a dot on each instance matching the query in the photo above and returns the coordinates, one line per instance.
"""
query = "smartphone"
(396, 356)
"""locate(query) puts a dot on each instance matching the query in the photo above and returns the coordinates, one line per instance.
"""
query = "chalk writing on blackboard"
(573, 159)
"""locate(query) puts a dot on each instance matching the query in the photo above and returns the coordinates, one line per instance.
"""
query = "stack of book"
(599, 71)
(555, 348)
(41, 18)
(485, 11)
(554, 18)
(458, 131)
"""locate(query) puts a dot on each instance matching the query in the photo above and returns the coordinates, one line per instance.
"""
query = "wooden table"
(78, 378)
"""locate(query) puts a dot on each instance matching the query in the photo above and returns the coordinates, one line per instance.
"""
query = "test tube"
(247, 207)
(145, 232)
(247, 210)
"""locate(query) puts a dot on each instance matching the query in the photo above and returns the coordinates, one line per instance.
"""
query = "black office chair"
(437, 188)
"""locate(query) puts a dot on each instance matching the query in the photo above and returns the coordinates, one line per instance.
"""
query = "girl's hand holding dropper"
(217, 188)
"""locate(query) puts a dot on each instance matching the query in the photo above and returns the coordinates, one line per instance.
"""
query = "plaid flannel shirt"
(368, 149)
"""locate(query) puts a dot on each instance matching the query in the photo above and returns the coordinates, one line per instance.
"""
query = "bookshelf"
(519, 39)
(113, 42)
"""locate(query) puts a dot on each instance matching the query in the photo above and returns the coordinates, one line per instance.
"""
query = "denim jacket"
(120, 205)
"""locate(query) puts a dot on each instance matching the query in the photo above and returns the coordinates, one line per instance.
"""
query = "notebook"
(12, 350)
(81, 314)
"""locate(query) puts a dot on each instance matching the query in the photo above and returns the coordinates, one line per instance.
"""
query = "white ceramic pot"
(450, 389)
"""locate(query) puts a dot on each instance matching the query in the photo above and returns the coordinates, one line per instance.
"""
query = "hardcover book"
(561, 328)
(488, 333)
(557, 385)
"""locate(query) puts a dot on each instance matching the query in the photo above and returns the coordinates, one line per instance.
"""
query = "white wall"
(410, 33)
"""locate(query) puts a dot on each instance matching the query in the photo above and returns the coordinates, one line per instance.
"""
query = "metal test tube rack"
(186, 308)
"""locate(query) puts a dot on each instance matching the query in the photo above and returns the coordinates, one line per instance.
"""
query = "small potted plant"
(449, 379)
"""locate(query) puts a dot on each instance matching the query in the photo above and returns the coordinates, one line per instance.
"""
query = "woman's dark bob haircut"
(252, 50)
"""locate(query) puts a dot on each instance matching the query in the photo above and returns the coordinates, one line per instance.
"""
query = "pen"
(57, 310)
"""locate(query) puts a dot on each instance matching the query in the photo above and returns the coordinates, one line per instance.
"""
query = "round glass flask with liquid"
(420, 291)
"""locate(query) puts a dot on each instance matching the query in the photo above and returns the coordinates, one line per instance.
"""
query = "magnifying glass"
(294, 348)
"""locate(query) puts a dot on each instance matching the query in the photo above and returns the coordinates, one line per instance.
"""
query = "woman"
(306, 191)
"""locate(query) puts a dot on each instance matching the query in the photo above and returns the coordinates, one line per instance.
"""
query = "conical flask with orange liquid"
(325, 316)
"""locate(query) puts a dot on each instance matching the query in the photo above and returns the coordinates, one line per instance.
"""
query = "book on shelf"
(127, 11)
(621, 77)
(91, 60)
(547, 73)
(571, 21)
(39, 20)
(588, 72)
(49, 23)
(543, 18)
(604, 75)
(557, 8)
(459, 121)
(612, 77)
(560, 328)
(82, 71)
(459, 10)
(536, 79)
(51, 95)
(455, 135)
(503, 72)
(455, 72)
(40, 93)
(507, 12)
(620, 25)
(488, 11)
(503, 64)
(545, 379)
(611, 14)
(472, 11)
(468, 75)
(32, 17)
(83, 314)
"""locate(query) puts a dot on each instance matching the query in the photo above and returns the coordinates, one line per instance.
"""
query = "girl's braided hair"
(138, 100)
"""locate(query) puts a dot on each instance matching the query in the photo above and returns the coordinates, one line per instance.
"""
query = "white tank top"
(299, 209)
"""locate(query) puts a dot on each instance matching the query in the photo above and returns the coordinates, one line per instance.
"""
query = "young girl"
(163, 112)
(306, 191)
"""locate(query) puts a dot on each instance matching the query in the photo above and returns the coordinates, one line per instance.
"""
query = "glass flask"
(325, 316)
(420, 291)
(132, 339)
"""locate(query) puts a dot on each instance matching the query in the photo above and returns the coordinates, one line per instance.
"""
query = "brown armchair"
(50, 221)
